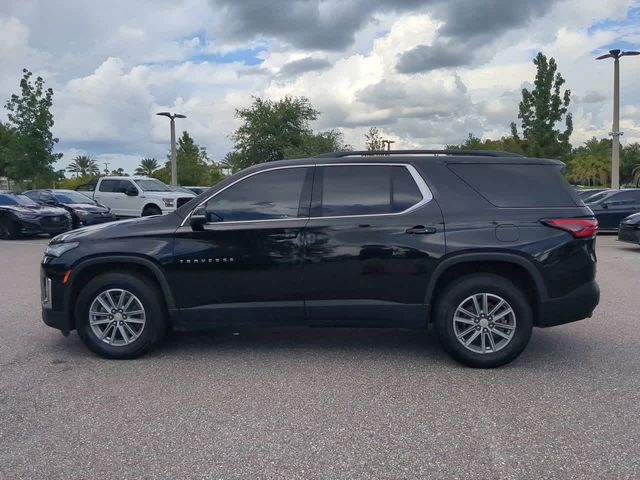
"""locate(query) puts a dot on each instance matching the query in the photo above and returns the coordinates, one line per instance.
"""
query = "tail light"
(577, 227)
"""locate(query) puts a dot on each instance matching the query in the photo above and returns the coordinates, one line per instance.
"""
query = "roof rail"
(473, 153)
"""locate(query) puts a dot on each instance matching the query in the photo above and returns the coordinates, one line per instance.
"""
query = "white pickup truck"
(136, 196)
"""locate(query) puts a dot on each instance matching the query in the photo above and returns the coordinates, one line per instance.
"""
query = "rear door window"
(354, 190)
(108, 186)
(517, 185)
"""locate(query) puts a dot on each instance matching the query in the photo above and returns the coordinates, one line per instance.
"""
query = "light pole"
(174, 167)
(615, 152)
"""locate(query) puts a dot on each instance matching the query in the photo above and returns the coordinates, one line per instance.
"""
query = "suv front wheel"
(484, 320)
(120, 315)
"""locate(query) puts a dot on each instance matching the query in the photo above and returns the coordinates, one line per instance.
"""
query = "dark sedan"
(19, 215)
(84, 210)
(630, 229)
(611, 206)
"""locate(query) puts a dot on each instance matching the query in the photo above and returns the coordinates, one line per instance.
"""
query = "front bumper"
(629, 233)
(44, 225)
(60, 320)
(576, 305)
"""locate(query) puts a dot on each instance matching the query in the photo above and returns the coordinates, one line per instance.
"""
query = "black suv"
(484, 245)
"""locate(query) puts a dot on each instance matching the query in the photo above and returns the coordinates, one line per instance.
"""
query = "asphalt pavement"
(320, 404)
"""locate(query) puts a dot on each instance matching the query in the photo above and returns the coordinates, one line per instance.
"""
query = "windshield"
(597, 197)
(17, 200)
(152, 185)
(72, 197)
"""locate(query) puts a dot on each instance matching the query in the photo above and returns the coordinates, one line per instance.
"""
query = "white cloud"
(114, 65)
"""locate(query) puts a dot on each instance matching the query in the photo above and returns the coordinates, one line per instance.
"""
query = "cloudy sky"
(425, 72)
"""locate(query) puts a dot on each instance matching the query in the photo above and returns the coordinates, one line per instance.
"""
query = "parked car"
(135, 196)
(629, 230)
(585, 194)
(83, 209)
(178, 188)
(611, 206)
(19, 215)
(484, 245)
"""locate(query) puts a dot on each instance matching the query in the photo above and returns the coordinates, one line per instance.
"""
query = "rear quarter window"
(517, 185)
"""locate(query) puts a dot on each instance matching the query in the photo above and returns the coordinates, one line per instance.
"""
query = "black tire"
(8, 229)
(462, 289)
(155, 326)
(151, 210)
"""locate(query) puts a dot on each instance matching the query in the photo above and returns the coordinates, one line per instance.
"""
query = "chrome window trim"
(427, 196)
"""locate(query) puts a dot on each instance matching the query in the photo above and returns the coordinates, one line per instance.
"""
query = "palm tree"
(83, 165)
(147, 167)
(636, 175)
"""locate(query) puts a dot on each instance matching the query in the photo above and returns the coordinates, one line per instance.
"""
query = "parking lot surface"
(316, 403)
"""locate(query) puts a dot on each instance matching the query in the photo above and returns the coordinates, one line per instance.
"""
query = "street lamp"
(174, 167)
(615, 152)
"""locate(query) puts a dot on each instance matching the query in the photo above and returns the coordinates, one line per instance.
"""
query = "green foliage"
(317, 143)
(276, 130)
(373, 139)
(541, 110)
(505, 144)
(147, 167)
(8, 147)
(83, 165)
(31, 157)
(74, 182)
(630, 164)
(119, 172)
(194, 166)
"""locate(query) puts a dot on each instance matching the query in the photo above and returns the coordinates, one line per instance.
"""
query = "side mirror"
(131, 192)
(605, 205)
(198, 217)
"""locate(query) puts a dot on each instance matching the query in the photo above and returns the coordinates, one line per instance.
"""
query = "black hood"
(134, 227)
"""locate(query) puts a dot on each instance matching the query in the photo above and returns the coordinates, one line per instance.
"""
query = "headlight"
(168, 202)
(57, 249)
(82, 213)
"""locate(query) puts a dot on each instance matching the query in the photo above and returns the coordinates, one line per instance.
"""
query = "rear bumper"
(576, 305)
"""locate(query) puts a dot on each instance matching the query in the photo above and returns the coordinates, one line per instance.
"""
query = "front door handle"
(283, 236)
(421, 230)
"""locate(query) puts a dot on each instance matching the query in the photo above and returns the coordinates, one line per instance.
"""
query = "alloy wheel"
(484, 323)
(117, 317)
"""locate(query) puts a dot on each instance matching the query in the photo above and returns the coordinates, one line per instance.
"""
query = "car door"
(108, 194)
(617, 207)
(245, 264)
(371, 244)
(131, 204)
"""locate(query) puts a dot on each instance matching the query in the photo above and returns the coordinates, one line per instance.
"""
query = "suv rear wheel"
(484, 321)
(120, 315)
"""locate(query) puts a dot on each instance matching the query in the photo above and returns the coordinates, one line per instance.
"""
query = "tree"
(317, 143)
(30, 115)
(194, 166)
(119, 172)
(541, 109)
(630, 164)
(636, 176)
(275, 130)
(373, 139)
(504, 144)
(147, 167)
(8, 147)
(83, 165)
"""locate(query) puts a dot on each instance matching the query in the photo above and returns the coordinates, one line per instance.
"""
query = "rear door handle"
(421, 230)
(283, 236)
